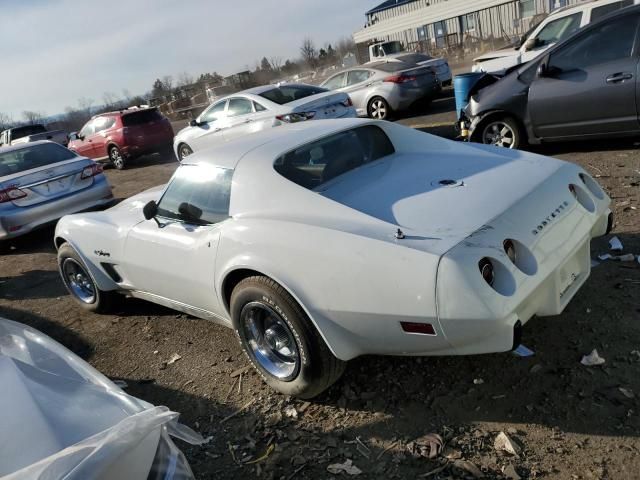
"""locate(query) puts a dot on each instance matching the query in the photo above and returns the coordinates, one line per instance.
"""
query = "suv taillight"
(91, 171)
(10, 194)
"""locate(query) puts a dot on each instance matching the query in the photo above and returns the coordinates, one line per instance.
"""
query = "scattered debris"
(240, 371)
(627, 392)
(174, 358)
(389, 447)
(510, 472)
(120, 383)
(226, 397)
(478, 381)
(468, 467)
(435, 471)
(616, 244)
(262, 457)
(362, 448)
(536, 368)
(604, 256)
(503, 443)
(291, 412)
(522, 351)
(347, 467)
(428, 446)
(240, 410)
(592, 359)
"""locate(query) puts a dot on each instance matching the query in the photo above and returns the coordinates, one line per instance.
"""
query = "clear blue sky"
(56, 51)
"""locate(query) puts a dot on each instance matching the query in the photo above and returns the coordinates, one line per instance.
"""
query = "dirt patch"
(567, 420)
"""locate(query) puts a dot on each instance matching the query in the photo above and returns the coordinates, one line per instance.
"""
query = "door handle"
(619, 77)
(248, 120)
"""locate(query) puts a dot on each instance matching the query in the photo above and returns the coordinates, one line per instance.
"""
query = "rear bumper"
(403, 98)
(21, 220)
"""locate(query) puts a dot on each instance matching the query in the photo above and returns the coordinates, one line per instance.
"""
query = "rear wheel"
(116, 157)
(281, 342)
(184, 151)
(501, 132)
(378, 108)
(79, 283)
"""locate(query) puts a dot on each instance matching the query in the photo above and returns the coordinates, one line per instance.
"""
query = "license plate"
(54, 187)
(570, 273)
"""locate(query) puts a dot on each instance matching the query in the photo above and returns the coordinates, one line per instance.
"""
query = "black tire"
(116, 158)
(500, 131)
(378, 108)
(184, 151)
(102, 301)
(167, 152)
(317, 369)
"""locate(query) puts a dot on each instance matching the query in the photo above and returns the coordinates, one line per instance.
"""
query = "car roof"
(266, 88)
(127, 111)
(576, 6)
(282, 138)
(21, 146)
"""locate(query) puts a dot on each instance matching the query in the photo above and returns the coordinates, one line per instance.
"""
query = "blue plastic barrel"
(462, 85)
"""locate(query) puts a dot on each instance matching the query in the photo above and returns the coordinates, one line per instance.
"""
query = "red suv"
(120, 136)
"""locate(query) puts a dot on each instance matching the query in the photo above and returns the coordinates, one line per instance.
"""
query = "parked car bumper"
(403, 97)
(18, 221)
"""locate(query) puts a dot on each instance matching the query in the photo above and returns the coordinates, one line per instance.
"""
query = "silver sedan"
(377, 89)
(43, 181)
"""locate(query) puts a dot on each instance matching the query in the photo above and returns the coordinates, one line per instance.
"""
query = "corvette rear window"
(317, 163)
(290, 93)
(35, 156)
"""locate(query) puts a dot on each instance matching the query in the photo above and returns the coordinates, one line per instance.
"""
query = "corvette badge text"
(550, 218)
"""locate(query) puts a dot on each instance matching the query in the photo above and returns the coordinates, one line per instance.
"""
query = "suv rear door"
(597, 68)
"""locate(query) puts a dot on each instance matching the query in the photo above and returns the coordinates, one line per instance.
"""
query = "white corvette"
(322, 241)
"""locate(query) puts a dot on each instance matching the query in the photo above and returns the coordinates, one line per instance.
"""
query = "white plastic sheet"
(62, 419)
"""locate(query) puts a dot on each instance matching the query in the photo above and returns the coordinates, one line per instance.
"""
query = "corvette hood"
(443, 197)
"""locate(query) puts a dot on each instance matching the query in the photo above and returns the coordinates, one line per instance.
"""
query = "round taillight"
(510, 250)
(486, 270)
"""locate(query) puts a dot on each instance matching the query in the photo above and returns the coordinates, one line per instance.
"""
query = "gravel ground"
(388, 417)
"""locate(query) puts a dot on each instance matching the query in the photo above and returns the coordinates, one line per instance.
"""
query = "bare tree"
(126, 96)
(110, 100)
(276, 63)
(167, 83)
(31, 116)
(184, 79)
(85, 105)
(5, 121)
(308, 52)
(345, 45)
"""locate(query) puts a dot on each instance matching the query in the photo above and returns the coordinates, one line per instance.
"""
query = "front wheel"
(281, 342)
(184, 151)
(378, 108)
(116, 157)
(501, 132)
(79, 283)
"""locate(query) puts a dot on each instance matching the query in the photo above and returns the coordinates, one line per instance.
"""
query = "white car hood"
(505, 52)
(404, 190)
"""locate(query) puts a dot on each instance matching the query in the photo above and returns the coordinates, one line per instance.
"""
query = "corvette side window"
(317, 163)
(198, 194)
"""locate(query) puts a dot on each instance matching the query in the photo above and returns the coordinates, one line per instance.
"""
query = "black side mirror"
(193, 123)
(72, 136)
(150, 210)
(545, 70)
(542, 70)
(190, 213)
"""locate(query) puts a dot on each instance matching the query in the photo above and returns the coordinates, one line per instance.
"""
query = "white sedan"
(257, 109)
(322, 241)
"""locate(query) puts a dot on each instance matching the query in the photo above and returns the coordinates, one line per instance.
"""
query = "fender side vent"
(111, 271)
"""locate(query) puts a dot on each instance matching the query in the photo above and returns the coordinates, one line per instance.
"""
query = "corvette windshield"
(317, 163)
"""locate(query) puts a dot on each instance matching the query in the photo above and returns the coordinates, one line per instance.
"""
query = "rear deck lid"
(42, 172)
(308, 98)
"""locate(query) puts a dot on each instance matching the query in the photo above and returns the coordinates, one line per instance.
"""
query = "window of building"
(469, 22)
(527, 8)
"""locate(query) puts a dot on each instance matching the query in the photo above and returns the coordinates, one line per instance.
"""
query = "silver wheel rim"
(185, 151)
(499, 134)
(378, 109)
(116, 158)
(270, 340)
(78, 281)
